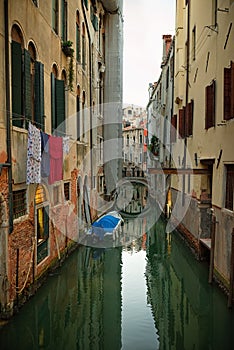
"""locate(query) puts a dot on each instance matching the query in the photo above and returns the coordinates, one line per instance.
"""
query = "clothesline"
(35, 123)
(45, 155)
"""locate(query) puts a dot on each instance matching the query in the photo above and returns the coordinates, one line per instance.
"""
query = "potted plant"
(67, 48)
(154, 145)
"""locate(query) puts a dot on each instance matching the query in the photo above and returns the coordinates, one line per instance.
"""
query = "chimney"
(167, 39)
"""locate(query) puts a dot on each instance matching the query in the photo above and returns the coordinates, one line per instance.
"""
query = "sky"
(145, 22)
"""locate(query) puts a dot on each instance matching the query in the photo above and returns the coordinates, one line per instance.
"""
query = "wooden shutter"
(232, 89)
(229, 187)
(16, 81)
(182, 123)
(189, 119)
(173, 127)
(46, 222)
(227, 94)
(39, 95)
(77, 43)
(27, 85)
(53, 110)
(210, 106)
(60, 106)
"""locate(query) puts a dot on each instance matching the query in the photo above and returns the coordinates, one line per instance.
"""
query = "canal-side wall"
(193, 221)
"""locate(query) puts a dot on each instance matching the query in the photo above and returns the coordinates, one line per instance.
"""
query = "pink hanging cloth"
(56, 159)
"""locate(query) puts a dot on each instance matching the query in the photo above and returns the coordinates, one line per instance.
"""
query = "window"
(214, 12)
(173, 128)
(67, 191)
(83, 47)
(127, 140)
(141, 139)
(194, 43)
(27, 83)
(42, 232)
(55, 15)
(57, 104)
(210, 106)
(78, 113)
(228, 91)
(42, 223)
(94, 18)
(56, 195)
(86, 3)
(189, 119)
(78, 36)
(182, 123)
(36, 2)
(229, 187)
(167, 78)
(19, 203)
(64, 20)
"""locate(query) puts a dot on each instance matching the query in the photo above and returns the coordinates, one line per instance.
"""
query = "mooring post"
(230, 295)
(212, 248)
(17, 277)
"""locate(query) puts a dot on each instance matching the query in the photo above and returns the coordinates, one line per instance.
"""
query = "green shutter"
(62, 21)
(77, 43)
(53, 119)
(16, 80)
(86, 3)
(60, 106)
(27, 85)
(39, 95)
(46, 222)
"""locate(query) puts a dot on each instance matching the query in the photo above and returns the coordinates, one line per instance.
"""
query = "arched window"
(27, 82)
(83, 47)
(57, 103)
(78, 119)
(55, 15)
(42, 223)
(34, 103)
(83, 116)
(77, 36)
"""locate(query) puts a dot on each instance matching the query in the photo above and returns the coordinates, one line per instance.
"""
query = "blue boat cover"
(107, 223)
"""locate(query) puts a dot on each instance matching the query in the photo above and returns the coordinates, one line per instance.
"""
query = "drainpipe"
(90, 92)
(186, 97)
(8, 126)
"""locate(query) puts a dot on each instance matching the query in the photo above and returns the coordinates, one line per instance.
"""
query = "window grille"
(67, 191)
(19, 203)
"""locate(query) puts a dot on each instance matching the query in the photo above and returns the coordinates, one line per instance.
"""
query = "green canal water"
(148, 293)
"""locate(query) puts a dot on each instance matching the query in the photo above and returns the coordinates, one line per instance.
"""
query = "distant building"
(134, 141)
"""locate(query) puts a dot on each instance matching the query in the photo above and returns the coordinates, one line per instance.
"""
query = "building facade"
(134, 142)
(159, 115)
(202, 129)
(54, 68)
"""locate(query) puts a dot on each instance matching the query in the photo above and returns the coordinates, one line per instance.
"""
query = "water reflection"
(188, 312)
(149, 293)
(79, 307)
(133, 198)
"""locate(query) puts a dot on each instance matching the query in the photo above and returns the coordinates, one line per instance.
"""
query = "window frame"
(229, 187)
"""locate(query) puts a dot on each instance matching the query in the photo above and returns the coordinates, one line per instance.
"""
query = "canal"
(147, 293)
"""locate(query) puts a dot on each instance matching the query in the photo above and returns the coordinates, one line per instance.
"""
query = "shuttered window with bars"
(229, 186)
(228, 90)
(210, 106)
